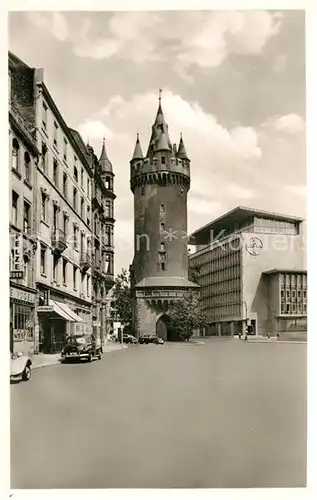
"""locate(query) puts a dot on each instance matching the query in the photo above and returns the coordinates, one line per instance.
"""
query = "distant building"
(160, 181)
(251, 266)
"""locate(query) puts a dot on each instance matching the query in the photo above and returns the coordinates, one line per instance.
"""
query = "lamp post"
(245, 305)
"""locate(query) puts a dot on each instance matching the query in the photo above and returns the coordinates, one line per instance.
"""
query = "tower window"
(163, 266)
(163, 160)
(162, 226)
(162, 247)
(162, 208)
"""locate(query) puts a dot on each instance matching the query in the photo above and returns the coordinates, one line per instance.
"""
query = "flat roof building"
(251, 267)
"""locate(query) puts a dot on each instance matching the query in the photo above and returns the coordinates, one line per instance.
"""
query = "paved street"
(221, 414)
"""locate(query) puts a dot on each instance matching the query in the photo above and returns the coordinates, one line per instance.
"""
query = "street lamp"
(245, 305)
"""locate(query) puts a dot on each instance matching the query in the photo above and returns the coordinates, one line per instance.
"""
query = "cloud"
(290, 124)
(203, 38)
(94, 129)
(298, 190)
(279, 63)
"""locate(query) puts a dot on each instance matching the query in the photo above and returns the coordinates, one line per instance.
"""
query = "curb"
(58, 361)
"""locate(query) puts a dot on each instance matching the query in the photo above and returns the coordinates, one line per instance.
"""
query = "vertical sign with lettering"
(17, 270)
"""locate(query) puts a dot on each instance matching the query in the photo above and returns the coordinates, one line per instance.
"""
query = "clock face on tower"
(254, 246)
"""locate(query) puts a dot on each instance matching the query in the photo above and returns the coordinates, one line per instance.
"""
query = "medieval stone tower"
(160, 181)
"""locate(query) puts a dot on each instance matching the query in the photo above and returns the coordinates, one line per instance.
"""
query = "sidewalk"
(41, 360)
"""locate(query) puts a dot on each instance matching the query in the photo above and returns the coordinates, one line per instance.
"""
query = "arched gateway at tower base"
(165, 330)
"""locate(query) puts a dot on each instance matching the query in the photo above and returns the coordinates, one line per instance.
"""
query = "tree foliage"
(122, 300)
(194, 273)
(187, 315)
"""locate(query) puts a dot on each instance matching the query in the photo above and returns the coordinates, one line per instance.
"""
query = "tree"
(122, 300)
(187, 315)
(194, 273)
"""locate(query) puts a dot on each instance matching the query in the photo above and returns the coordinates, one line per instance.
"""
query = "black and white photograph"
(158, 249)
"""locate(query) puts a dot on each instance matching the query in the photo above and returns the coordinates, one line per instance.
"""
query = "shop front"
(22, 319)
(56, 322)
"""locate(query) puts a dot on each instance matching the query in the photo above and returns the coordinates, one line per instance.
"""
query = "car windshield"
(84, 339)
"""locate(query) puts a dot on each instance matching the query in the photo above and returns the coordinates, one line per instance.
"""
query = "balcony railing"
(85, 261)
(58, 241)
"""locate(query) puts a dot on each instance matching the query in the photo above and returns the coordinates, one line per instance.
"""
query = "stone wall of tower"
(155, 204)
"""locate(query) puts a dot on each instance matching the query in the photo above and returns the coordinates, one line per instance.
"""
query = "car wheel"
(26, 375)
(99, 355)
(90, 357)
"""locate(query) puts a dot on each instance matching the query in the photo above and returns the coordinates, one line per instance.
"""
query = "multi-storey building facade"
(159, 182)
(103, 239)
(239, 259)
(63, 214)
(23, 155)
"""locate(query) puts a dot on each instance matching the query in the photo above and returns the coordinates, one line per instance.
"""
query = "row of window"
(293, 280)
(222, 256)
(16, 160)
(57, 261)
(222, 312)
(294, 308)
(27, 213)
(162, 254)
(295, 294)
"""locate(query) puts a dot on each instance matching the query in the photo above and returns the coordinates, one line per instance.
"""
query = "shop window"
(26, 217)
(64, 271)
(43, 259)
(15, 155)
(27, 167)
(14, 214)
(43, 206)
(44, 157)
(75, 277)
(44, 115)
(55, 134)
(65, 185)
(75, 198)
(55, 173)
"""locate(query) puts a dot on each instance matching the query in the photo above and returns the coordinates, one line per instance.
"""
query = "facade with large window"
(51, 204)
(23, 156)
(233, 261)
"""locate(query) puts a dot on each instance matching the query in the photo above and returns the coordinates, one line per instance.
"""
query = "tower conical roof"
(162, 144)
(181, 153)
(105, 163)
(137, 154)
(159, 128)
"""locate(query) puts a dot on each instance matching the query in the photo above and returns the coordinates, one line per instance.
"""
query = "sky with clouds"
(233, 84)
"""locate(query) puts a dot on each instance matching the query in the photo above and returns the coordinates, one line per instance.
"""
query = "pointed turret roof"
(159, 128)
(162, 144)
(105, 163)
(137, 154)
(181, 153)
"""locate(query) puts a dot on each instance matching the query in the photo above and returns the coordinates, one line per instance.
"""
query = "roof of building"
(182, 153)
(162, 144)
(166, 281)
(105, 163)
(137, 153)
(79, 141)
(232, 218)
(285, 270)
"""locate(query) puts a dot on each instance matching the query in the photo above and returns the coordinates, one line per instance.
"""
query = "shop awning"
(54, 307)
(74, 317)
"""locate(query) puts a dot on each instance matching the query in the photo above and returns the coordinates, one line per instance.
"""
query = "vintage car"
(129, 339)
(21, 367)
(150, 339)
(81, 346)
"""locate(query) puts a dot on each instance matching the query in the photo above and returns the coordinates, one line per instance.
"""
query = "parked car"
(129, 339)
(80, 347)
(21, 367)
(150, 339)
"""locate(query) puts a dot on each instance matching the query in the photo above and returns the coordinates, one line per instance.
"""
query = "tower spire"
(181, 153)
(104, 161)
(137, 154)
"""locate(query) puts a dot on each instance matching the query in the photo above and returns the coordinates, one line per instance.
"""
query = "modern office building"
(63, 218)
(251, 266)
(159, 181)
